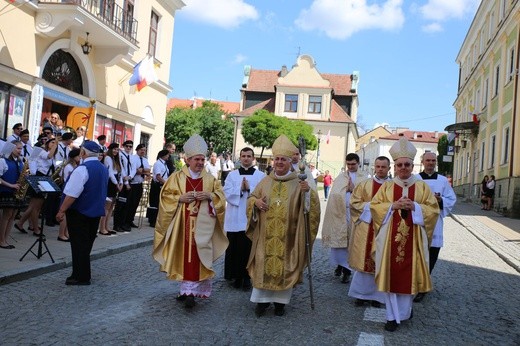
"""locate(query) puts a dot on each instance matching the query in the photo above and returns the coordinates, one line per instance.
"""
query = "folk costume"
(190, 237)
(403, 238)
(337, 221)
(361, 242)
(235, 223)
(278, 255)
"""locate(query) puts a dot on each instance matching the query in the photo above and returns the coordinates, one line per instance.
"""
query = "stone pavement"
(474, 301)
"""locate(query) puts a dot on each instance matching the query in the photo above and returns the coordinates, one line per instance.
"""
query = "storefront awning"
(462, 127)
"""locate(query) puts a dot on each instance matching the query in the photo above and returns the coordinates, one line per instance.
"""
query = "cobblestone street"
(474, 302)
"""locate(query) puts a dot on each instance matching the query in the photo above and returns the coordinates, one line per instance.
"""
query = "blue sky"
(405, 51)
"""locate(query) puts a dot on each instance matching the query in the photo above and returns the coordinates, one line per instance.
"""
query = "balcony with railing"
(113, 29)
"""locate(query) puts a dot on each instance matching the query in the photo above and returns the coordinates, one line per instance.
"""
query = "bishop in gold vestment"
(189, 233)
(276, 227)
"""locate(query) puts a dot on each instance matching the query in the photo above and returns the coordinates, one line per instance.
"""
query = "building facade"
(487, 127)
(76, 57)
(328, 102)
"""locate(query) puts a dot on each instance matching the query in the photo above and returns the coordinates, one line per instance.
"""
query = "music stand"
(44, 185)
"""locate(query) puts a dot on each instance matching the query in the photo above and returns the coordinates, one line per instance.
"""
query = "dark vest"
(91, 202)
(12, 174)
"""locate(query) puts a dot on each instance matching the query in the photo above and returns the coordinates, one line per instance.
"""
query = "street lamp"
(318, 151)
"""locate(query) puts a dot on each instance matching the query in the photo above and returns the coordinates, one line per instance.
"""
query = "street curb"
(513, 263)
(44, 268)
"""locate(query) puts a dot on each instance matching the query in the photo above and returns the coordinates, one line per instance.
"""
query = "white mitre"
(195, 145)
(403, 148)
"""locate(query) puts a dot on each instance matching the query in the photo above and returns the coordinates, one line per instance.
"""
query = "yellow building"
(76, 57)
(487, 124)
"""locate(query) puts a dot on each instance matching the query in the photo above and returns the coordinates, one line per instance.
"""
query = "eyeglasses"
(47, 133)
(406, 164)
(129, 146)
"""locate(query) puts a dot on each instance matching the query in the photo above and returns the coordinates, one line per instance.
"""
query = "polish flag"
(327, 139)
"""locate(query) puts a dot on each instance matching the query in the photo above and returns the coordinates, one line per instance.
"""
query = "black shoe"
(419, 297)
(189, 302)
(391, 326)
(375, 304)
(181, 297)
(126, 228)
(360, 302)
(237, 283)
(20, 229)
(67, 240)
(279, 309)
(346, 275)
(246, 286)
(75, 282)
(133, 225)
(261, 308)
(337, 271)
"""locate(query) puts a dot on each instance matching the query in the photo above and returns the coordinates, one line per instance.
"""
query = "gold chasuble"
(189, 237)
(402, 247)
(278, 256)
(362, 236)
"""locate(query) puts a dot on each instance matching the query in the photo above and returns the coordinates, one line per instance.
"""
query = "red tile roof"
(268, 105)
(266, 80)
(337, 114)
(227, 106)
(422, 136)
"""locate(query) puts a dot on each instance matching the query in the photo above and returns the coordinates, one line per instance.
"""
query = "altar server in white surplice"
(238, 185)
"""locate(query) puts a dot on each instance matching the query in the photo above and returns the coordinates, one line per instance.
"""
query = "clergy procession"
(383, 235)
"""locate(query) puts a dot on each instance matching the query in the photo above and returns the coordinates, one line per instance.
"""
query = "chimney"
(415, 135)
(283, 72)
(436, 134)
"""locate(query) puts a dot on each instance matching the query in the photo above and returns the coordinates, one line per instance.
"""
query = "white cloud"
(340, 19)
(432, 28)
(225, 14)
(442, 10)
(239, 59)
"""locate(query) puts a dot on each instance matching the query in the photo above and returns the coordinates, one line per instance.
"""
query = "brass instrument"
(57, 176)
(22, 182)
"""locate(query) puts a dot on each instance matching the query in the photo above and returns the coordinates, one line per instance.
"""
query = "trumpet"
(22, 182)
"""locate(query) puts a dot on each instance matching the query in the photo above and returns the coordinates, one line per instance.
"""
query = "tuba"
(22, 182)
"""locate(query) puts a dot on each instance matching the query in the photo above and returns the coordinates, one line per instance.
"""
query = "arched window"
(61, 69)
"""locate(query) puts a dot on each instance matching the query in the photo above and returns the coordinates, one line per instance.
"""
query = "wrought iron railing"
(107, 11)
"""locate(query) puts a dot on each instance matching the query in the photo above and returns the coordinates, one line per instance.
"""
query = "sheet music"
(45, 186)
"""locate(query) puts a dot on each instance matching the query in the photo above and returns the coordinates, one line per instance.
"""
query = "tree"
(296, 128)
(262, 128)
(442, 147)
(209, 120)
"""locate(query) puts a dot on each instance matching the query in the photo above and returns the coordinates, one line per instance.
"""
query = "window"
(511, 64)
(505, 148)
(482, 151)
(486, 93)
(291, 103)
(502, 9)
(491, 25)
(497, 80)
(152, 39)
(314, 104)
(128, 17)
(492, 152)
(467, 164)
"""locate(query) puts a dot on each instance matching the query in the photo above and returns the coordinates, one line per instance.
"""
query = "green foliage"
(442, 147)
(209, 120)
(263, 127)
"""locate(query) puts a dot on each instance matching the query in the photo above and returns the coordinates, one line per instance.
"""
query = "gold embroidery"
(401, 237)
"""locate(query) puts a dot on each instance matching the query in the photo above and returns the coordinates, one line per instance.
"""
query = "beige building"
(76, 58)
(328, 102)
(487, 124)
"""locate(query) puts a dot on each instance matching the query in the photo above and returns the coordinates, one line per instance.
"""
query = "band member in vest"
(115, 186)
(276, 226)
(404, 213)
(446, 199)
(11, 167)
(160, 175)
(142, 172)
(15, 136)
(238, 186)
(128, 172)
(337, 222)
(102, 140)
(84, 204)
(44, 166)
(72, 162)
(189, 234)
(361, 242)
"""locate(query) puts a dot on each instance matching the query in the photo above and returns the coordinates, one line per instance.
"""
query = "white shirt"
(112, 171)
(67, 170)
(62, 153)
(78, 141)
(213, 169)
(160, 167)
(235, 219)
(77, 180)
(136, 163)
(13, 137)
(44, 164)
(228, 166)
(127, 170)
(27, 149)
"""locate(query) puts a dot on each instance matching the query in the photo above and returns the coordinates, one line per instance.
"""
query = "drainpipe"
(515, 105)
